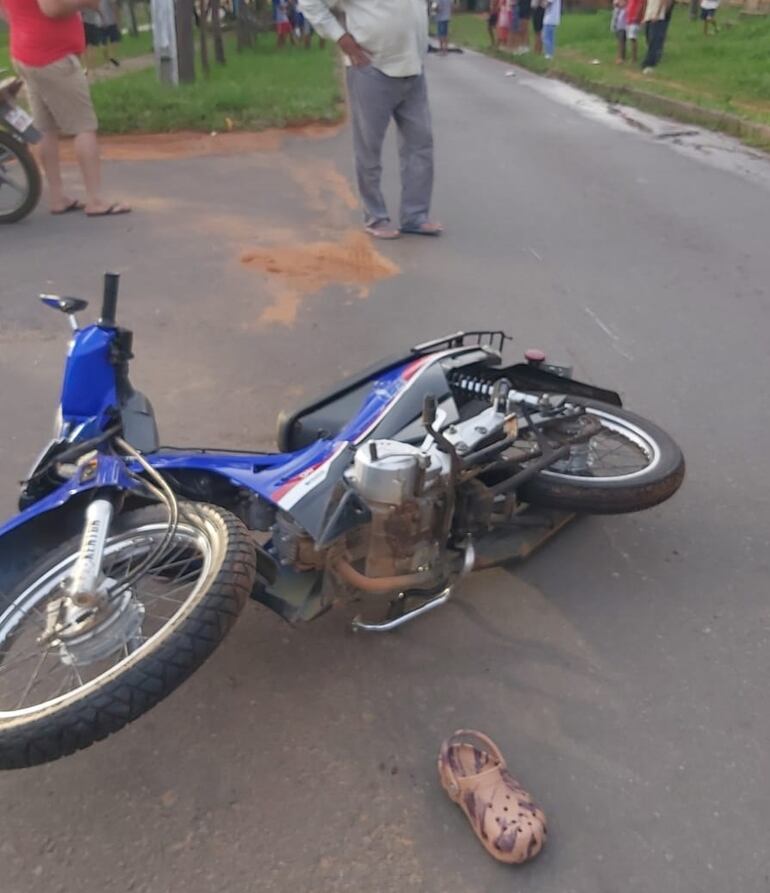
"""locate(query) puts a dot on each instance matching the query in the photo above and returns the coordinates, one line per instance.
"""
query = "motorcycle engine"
(407, 491)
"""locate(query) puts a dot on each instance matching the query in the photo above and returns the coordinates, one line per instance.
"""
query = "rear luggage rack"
(493, 338)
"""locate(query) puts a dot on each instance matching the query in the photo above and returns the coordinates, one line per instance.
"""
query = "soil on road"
(623, 669)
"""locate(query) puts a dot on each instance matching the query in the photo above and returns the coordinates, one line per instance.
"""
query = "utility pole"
(165, 41)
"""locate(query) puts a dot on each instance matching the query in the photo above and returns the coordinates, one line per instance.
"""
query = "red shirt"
(38, 40)
(634, 10)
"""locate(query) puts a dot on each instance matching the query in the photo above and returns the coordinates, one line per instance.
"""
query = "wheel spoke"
(18, 659)
(33, 679)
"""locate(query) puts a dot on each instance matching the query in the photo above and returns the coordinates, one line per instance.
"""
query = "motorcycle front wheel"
(20, 182)
(62, 691)
(630, 464)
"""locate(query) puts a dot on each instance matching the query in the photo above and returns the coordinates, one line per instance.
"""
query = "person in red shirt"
(47, 38)
(634, 10)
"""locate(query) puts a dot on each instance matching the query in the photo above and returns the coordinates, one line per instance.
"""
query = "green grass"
(262, 87)
(729, 72)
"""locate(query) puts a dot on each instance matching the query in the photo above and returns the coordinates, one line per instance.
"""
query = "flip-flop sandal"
(510, 826)
(74, 205)
(382, 232)
(113, 211)
(423, 229)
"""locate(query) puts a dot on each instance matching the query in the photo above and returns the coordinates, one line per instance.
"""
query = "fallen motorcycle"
(129, 562)
(20, 182)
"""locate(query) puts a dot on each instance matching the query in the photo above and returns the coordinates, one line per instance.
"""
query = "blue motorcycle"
(129, 562)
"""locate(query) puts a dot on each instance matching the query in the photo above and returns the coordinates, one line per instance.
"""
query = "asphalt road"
(623, 669)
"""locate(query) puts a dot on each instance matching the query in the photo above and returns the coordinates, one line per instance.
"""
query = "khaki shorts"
(59, 97)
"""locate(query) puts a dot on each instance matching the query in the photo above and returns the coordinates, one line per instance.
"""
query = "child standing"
(618, 28)
(708, 15)
(283, 27)
(538, 13)
(551, 21)
(634, 10)
(504, 23)
(443, 17)
(494, 12)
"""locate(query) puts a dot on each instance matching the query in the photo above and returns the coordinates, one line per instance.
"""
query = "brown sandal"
(509, 825)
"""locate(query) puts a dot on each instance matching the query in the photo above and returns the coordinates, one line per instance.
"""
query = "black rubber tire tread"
(34, 179)
(607, 498)
(76, 724)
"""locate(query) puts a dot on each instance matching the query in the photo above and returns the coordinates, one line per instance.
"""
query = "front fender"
(51, 521)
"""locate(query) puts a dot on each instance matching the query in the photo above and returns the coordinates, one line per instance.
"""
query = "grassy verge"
(262, 87)
(727, 73)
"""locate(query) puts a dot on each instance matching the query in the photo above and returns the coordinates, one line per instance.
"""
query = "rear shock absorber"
(471, 385)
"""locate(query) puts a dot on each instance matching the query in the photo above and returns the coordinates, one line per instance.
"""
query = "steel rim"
(622, 433)
(36, 676)
(14, 180)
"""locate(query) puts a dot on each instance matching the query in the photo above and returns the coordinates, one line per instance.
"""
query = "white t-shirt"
(393, 32)
(709, 4)
(552, 13)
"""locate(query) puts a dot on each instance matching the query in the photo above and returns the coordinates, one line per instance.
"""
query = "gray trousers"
(375, 98)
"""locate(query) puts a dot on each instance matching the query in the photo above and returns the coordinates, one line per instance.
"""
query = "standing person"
(538, 13)
(385, 44)
(504, 23)
(525, 14)
(618, 28)
(657, 15)
(634, 10)
(513, 24)
(443, 18)
(47, 38)
(708, 15)
(494, 12)
(551, 21)
(283, 27)
(102, 30)
(110, 24)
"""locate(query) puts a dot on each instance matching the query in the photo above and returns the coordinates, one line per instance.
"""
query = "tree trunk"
(216, 30)
(185, 42)
(204, 38)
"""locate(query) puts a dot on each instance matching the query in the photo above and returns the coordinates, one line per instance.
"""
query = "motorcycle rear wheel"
(25, 179)
(653, 471)
(61, 693)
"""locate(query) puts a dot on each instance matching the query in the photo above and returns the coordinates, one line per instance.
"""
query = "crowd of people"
(509, 25)
(628, 17)
(291, 25)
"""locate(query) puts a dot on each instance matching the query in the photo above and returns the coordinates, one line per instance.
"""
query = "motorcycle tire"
(220, 550)
(32, 174)
(606, 495)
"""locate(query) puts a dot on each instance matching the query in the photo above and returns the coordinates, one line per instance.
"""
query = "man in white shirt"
(385, 44)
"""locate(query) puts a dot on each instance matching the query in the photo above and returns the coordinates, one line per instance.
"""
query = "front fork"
(86, 575)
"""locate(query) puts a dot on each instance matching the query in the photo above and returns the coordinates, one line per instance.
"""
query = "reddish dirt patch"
(162, 146)
(296, 271)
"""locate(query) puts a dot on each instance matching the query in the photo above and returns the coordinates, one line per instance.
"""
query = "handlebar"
(109, 300)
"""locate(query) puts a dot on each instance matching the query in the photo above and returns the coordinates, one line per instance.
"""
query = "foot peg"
(386, 626)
